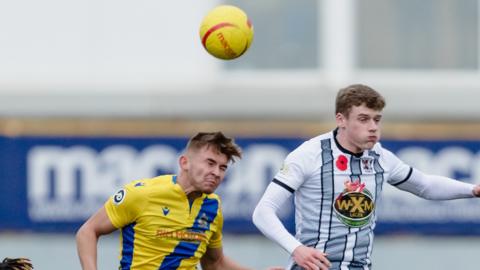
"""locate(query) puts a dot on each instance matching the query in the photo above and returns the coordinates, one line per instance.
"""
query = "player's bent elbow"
(85, 232)
(80, 234)
(257, 216)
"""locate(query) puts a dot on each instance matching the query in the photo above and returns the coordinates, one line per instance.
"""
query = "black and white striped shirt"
(328, 216)
(315, 172)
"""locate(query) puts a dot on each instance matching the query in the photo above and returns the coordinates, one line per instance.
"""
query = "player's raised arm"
(436, 187)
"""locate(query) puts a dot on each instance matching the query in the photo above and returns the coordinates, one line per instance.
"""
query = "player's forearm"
(87, 248)
(435, 187)
(266, 219)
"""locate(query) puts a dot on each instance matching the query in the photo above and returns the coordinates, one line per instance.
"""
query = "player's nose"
(216, 170)
(373, 125)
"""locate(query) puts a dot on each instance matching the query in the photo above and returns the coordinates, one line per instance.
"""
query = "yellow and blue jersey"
(160, 228)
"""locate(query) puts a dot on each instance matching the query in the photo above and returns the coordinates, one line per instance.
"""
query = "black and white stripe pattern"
(327, 188)
(320, 173)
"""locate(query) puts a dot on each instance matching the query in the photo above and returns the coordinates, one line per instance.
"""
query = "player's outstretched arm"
(215, 259)
(87, 238)
(436, 187)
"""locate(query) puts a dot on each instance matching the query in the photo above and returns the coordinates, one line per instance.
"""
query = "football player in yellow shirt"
(169, 221)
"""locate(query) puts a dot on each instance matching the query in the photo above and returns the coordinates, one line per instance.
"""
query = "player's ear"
(183, 162)
(340, 119)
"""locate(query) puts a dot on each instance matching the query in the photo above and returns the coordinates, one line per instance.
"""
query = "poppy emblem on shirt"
(342, 163)
(165, 210)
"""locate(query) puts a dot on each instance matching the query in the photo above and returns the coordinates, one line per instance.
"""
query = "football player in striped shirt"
(170, 221)
(336, 179)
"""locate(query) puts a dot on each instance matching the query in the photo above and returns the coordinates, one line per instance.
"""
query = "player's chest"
(334, 174)
(175, 213)
(347, 165)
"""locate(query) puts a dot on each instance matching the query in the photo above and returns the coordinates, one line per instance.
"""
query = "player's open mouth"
(211, 182)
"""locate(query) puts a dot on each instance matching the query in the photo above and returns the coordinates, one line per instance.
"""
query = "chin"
(208, 190)
(369, 145)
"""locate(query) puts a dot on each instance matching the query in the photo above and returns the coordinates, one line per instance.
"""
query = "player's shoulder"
(144, 189)
(213, 196)
(314, 144)
(383, 153)
(212, 201)
(149, 184)
(319, 139)
(167, 179)
(380, 150)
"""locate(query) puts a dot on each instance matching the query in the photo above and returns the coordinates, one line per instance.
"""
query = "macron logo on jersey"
(165, 210)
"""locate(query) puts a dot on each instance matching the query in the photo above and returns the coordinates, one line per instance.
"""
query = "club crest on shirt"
(367, 164)
(354, 206)
(119, 196)
(284, 169)
(203, 221)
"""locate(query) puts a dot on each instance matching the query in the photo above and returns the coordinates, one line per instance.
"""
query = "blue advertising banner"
(53, 184)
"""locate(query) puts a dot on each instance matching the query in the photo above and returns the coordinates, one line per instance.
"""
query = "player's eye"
(363, 119)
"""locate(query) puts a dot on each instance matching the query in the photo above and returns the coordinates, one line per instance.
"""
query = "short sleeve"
(399, 171)
(297, 165)
(217, 236)
(125, 205)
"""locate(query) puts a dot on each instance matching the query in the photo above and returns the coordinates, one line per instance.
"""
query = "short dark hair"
(356, 95)
(16, 264)
(220, 142)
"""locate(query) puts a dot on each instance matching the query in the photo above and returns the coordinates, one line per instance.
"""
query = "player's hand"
(310, 258)
(476, 191)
